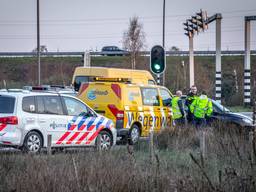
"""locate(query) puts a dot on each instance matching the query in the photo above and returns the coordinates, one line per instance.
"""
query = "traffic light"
(188, 29)
(202, 19)
(157, 59)
(196, 23)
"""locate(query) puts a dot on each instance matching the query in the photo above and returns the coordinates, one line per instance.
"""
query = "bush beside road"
(228, 164)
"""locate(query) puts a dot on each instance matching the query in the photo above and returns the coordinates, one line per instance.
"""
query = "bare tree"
(43, 49)
(134, 40)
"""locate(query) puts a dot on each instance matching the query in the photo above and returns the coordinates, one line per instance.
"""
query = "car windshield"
(220, 107)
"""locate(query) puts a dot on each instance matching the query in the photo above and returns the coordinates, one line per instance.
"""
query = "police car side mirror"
(90, 113)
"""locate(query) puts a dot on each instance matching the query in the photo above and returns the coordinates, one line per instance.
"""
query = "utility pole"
(164, 37)
(38, 43)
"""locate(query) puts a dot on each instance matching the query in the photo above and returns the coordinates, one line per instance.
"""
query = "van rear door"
(104, 97)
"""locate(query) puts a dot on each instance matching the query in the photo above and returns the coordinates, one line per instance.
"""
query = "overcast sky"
(79, 25)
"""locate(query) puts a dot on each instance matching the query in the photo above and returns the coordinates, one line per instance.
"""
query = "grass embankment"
(178, 165)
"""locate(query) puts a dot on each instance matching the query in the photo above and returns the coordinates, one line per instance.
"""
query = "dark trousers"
(179, 121)
(190, 117)
(199, 122)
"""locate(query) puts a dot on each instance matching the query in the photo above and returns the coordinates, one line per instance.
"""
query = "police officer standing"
(177, 109)
(192, 95)
(201, 108)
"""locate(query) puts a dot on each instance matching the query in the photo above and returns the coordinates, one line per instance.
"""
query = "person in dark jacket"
(191, 96)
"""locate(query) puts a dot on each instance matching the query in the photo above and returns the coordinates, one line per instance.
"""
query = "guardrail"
(145, 53)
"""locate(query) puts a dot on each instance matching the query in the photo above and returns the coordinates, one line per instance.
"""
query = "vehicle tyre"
(33, 142)
(134, 135)
(104, 141)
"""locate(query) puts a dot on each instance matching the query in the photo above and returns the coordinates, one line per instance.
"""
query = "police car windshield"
(7, 104)
(220, 107)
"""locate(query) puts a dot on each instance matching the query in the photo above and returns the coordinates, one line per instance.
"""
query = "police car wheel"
(134, 135)
(104, 141)
(33, 142)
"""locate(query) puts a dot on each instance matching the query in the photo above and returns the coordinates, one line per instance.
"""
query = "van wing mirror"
(134, 102)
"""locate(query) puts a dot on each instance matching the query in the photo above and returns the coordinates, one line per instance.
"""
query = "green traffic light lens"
(157, 66)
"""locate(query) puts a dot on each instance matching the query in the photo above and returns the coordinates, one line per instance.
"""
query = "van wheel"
(33, 142)
(134, 135)
(104, 141)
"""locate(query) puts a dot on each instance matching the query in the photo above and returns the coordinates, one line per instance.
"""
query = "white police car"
(28, 117)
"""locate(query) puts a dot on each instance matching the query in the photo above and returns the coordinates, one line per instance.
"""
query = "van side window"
(28, 104)
(166, 97)
(150, 96)
(79, 80)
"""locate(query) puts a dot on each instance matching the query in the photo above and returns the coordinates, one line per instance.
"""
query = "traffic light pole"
(191, 62)
(158, 79)
(218, 59)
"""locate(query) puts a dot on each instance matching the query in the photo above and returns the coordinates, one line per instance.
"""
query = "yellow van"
(135, 109)
(87, 74)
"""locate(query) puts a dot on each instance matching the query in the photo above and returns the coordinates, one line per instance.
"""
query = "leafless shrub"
(180, 166)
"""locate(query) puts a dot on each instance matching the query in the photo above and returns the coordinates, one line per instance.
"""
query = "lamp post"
(38, 43)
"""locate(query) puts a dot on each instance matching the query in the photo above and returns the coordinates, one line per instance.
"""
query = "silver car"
(28, 117)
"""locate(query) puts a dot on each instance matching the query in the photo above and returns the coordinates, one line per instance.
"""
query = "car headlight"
(247, 121)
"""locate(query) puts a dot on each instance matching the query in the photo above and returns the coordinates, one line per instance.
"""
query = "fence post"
(254, 113)
(99, 143)
(49, 144)
(251, 142)
(202, 143)
(151, 144)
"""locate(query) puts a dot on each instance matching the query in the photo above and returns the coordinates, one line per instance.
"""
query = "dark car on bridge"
(113, 51)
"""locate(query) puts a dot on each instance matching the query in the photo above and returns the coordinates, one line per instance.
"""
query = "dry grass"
(227, 165)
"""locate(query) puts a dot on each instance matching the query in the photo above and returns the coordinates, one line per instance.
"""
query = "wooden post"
(98, 142)
(151, 144)
(202, 143)
(254, 112)
(49, 144)
(251, 140)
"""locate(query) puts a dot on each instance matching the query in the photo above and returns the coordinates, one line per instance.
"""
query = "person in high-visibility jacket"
(191, 96)
(201, 108)
(178, 109)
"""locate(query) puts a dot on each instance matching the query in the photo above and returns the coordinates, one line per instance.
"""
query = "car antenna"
(5, 85)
